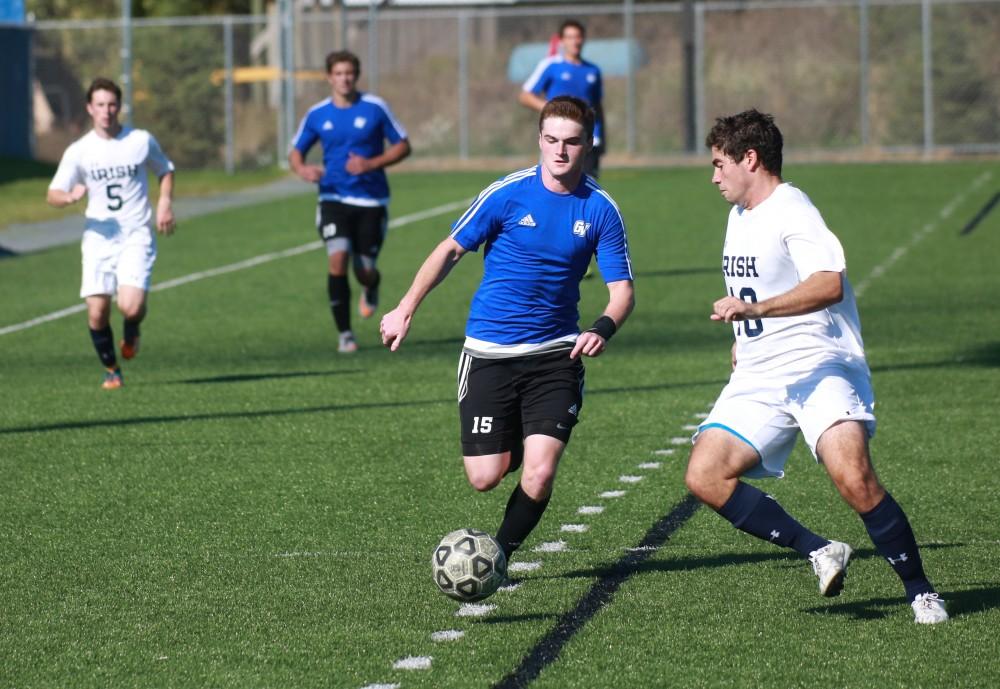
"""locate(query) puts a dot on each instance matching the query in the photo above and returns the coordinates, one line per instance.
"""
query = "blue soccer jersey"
(361, 128)
(555, 76)
(538, 246)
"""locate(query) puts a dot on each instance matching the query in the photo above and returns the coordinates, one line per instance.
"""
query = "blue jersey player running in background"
(520, 376)
(351, 217)
(568, 74)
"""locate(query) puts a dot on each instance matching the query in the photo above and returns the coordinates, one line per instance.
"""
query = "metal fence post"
(372, 67)
(925, 25)
(126, 55)
(863, 37)
(630, 115)
(227, 42)
(699, 73)
(463, 84)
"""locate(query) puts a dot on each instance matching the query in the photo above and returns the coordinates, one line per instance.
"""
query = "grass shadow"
(248, 377)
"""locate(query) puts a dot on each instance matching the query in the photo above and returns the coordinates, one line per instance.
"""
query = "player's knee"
(483, 482)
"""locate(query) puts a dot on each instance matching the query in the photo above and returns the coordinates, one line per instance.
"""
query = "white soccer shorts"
(112, 259)
(767, 412)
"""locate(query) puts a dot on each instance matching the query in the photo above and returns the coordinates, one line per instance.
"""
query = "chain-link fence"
(841, 76)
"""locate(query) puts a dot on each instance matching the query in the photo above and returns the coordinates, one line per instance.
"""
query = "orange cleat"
(113, 379)
(129, 350)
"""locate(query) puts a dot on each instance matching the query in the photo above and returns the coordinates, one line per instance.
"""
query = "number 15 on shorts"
(482, 424)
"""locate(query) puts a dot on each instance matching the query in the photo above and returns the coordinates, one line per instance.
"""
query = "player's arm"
(297, 163)
(621, 301)
(396, 324)
(816, 292)
(600, 136)
(357, 165)
(165, 221)
(60, 199)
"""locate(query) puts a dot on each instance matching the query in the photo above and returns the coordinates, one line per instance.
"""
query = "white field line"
(240, 265)
(918, 236)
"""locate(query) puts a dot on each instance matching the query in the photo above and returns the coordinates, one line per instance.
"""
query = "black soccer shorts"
(500, 401)
(363, 227)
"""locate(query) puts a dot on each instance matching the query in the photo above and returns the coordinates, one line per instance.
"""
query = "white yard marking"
(524, 566)
(551, 547)
(413, 663)
(240, 265)
(612, 494)
(641, 549)
(665, 452)
(475, 609)
(574, 528)
(629, 479)
(680, 440)
(918, 236)
(649, 465)
(513, 586)
(590, 509)
(701, 415)
(689, 427)
(395, 685)
(298, 554)
(447, 635)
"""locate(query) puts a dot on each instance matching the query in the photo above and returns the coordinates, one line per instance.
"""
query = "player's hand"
(589, 344)
(394, 327)
(357, 165)
(77, 192)
(731, 309)
(165, 221)
(311, 173)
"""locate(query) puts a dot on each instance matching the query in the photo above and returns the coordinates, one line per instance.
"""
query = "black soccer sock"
(751, 510)
(340, 301)
(373, 287)
(894, 540)
(131, 331)
(520, 517)
(104, 343)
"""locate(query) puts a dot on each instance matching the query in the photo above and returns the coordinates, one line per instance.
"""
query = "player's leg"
(96, 287)
(550, 388)
(491, 422)
(843, 450)
(368, 241)
(133, 274)
(332, 224)
(132, 305)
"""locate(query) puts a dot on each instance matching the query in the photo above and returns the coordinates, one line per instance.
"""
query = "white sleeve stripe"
(302, 124)
(593, 185)
(532, 81)
(486, 193)
(375, 100)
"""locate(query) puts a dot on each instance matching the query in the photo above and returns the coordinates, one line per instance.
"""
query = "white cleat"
(347, 344)
(928, 608)
(830, 565)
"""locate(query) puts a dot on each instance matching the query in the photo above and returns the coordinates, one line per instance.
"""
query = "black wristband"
(604, 326)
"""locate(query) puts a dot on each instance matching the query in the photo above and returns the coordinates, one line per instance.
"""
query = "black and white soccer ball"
(468, 565)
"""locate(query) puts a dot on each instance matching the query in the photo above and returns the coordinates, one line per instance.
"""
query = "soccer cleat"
(928, 608)
(347, 345)
(830, 565)
(129, 350)
(368, 302)
(112, 379)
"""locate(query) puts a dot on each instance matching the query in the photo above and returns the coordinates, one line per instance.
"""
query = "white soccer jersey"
(768, 251)
(114, 172)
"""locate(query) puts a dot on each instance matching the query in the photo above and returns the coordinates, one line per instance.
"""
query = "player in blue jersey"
(352, 216)
(520, 377)
(798, 364)
(568, 74)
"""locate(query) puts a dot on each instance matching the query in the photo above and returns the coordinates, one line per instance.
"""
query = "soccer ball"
(468, 565)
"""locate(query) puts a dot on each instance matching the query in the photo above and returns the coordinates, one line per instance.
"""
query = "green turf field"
(254, 510)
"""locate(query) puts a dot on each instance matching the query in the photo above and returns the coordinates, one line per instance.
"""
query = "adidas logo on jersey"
(327, 126)
(359, 122)
(527, 221)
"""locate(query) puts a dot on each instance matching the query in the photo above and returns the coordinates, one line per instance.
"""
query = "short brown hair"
(571, 24)
(343, 56)
(102, 84)
(734, 135)
(569, 108)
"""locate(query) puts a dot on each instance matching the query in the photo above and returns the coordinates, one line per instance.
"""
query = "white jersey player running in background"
(798, 364)
(109, 165)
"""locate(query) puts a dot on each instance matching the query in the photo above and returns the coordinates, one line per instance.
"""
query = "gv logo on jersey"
(565, 76)
(359, 122)
(591, 78)
(580, 228)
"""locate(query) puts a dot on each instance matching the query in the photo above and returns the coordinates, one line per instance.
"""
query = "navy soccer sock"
(894, 540)
(520, 517)
(340, 301)
(760, 515)
(104, 343)
(131, 331)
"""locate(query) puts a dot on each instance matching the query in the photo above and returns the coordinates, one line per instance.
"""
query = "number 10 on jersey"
(751, 328)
